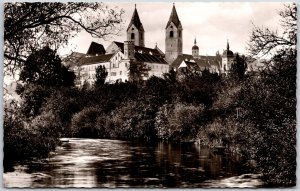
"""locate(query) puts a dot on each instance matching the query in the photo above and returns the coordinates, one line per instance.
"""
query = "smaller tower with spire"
(135, 30)
(195, 49)
(227, 59)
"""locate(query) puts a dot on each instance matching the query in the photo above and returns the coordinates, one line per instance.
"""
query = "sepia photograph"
(149, 94)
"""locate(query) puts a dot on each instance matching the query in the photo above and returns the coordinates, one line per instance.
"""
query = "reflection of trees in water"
(108, 163)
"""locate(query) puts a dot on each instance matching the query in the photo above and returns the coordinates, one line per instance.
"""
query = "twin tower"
(173, 41)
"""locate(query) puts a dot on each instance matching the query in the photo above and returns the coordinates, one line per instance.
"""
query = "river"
(114, 163)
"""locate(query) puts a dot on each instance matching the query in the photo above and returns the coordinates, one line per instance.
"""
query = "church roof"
(174, 18)
(149, 58)
(95, 48)
(95, 59)
(135, 20)
(140, 49)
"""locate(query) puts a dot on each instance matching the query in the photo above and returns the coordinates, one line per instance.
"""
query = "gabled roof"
(135, 20)
(140, 49)
(192, 65)
(144, 57)
(202, 61)
(95, 48)
(175, 64)
(95, 59)
(174, 18)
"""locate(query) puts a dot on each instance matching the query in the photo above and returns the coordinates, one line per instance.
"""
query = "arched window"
(171, 34)
(132, 35)
(141, 36)
(179, 33)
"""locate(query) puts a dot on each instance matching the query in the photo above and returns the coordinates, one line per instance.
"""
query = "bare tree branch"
(264, 41)
(31, 26)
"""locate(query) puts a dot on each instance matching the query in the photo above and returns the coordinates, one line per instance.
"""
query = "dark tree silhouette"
(42, 73)
(101, 74)
(138, 71)
(238, 68)
(270, 101)
(43, 67)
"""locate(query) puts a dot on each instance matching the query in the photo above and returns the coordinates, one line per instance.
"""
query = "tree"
(101, 74)
(265, 41)
(238, 68)
(269, 102)
(171, 76)
(138, 71)
(41, 74)
(30, 26)
(43, 67)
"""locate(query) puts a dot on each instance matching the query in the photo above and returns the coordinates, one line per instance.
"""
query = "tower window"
(132, 35)
(171, 34)
(179, 33)
(141, 36)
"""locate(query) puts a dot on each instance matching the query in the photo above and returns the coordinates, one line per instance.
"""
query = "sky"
(211, 23)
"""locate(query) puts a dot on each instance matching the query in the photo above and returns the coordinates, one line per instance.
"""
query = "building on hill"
(119, 56)
(87, 70)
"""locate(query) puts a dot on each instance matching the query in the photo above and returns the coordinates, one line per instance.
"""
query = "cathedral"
(119, 56)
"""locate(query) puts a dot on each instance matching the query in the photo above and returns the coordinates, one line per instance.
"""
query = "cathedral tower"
(173, 37)
(135, 30)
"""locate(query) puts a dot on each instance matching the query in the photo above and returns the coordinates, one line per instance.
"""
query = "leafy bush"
(83, 123)
(178, 122)
(20, 142)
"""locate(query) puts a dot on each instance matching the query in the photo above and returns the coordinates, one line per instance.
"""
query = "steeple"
(135, 30)
(135, 20)
(195, 42)
(174, 18)
(173, 37)
(227, 45)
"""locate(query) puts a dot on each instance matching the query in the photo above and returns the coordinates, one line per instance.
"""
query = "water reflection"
(114, 163)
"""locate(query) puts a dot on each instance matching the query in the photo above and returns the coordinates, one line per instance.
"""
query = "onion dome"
(195, 47)
(227, 52)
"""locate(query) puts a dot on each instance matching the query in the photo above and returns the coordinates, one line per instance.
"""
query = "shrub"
(20, 142)
(178, 122)
(47, 124)
(83, 123)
